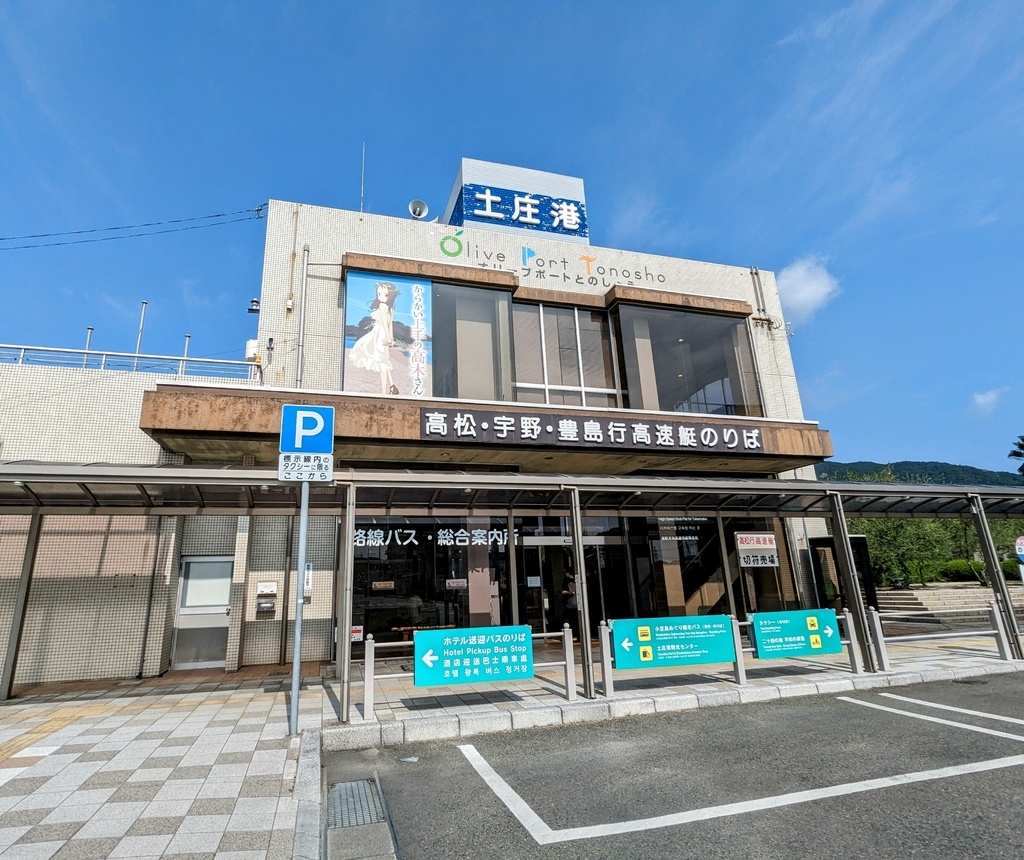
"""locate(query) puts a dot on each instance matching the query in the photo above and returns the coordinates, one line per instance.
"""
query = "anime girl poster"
(387, 335)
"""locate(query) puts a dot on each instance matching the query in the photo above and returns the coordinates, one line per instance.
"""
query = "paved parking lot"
(931, 770)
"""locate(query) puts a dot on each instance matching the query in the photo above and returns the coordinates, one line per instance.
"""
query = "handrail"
(896, 613)
(93, 359)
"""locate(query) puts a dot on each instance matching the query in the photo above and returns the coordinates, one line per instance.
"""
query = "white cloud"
(641, 221)
(805, 287)
(985, 402)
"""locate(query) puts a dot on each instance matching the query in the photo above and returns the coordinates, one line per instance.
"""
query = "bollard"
(876, 629)
(605, 639)
(368, 711)
(570, 665)
(853, 645)
(740, 669)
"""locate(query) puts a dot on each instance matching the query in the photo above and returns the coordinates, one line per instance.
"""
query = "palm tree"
(1018, 452)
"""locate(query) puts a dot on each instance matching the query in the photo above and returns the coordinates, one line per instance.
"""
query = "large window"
(679, 361)
(471, 343)
(563, 356)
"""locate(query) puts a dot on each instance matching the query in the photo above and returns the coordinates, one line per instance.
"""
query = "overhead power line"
(212, 221)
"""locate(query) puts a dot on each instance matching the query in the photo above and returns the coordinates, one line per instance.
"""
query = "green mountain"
(920, 472)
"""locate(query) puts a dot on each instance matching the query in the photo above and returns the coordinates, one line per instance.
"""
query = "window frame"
(546, 387)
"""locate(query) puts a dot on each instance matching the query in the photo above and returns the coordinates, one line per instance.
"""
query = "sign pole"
(300, 598)
(306, 454)
(345, 615)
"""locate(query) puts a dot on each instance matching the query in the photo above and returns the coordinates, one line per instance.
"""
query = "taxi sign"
(306, 443)
(675, 641)
(472, 655)
(800, 633)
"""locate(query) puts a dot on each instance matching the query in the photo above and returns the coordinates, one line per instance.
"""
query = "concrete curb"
(367, 735)
(308, 790)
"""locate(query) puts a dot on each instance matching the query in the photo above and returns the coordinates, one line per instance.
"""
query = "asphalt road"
(807, 778)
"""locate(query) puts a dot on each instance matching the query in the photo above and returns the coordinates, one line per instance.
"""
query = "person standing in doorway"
(570, 614)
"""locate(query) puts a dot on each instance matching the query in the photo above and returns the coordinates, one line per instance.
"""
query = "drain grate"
(352, 803)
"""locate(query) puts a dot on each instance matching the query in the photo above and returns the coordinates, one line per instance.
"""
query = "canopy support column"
(28, 563)
(582, 601)
(851, 585)
(995, 571)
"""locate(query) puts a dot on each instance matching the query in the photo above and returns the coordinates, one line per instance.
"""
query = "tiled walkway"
(162, 768)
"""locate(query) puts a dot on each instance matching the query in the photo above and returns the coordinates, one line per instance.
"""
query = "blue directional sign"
(472, 655)
(307, 429)
(676, 641)
(800, 633)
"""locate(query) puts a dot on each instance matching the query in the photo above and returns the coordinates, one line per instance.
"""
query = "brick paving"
(193, 765)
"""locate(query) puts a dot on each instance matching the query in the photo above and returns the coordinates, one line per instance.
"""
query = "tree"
(1018, 452)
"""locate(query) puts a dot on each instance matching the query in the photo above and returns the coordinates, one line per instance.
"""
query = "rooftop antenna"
(138, 340)
(88, 340)
(362, 180)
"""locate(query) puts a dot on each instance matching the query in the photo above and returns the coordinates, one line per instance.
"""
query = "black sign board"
(511, 427)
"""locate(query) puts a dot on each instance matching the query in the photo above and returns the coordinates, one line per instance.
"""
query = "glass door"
(608, 577)
(201, 634)
(542, 573)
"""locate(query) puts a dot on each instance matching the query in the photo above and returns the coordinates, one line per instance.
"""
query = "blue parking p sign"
(307, 429)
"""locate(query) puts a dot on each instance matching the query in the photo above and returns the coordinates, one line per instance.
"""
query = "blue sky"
(869, 153)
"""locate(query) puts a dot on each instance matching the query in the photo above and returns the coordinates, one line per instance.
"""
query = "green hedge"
(1011, 567)
(959, 570)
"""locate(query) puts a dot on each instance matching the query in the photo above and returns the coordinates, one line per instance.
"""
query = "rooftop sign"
(518, 200)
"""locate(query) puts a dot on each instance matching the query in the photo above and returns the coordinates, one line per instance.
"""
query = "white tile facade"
(106, 589)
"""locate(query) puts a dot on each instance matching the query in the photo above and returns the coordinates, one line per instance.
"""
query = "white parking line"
(545, 835)
(939, 720)
(954, 710)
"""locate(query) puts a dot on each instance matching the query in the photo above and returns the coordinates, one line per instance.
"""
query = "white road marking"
(955, 710)
(545, 835)
(939, 720)
(533, 823)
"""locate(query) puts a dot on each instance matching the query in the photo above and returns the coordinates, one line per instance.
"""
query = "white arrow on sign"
(829, 631)
(627, 644)
(430, 658)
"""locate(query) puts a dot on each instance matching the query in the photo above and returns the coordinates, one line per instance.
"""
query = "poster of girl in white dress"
(387, 335)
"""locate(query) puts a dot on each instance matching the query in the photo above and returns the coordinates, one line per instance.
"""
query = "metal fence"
(991, 613)
(180, 365)
(739, 666)
(371, 676)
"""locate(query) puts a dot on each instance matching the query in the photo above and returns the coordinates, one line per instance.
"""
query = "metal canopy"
(55, 488)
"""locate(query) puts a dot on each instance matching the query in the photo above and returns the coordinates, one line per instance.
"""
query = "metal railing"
(739, 666)
(370, 675)
(878, 619)
(91, 359)
(851, 642)
(607, 657)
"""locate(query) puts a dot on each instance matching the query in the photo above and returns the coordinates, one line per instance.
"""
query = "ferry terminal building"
(513, 406)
